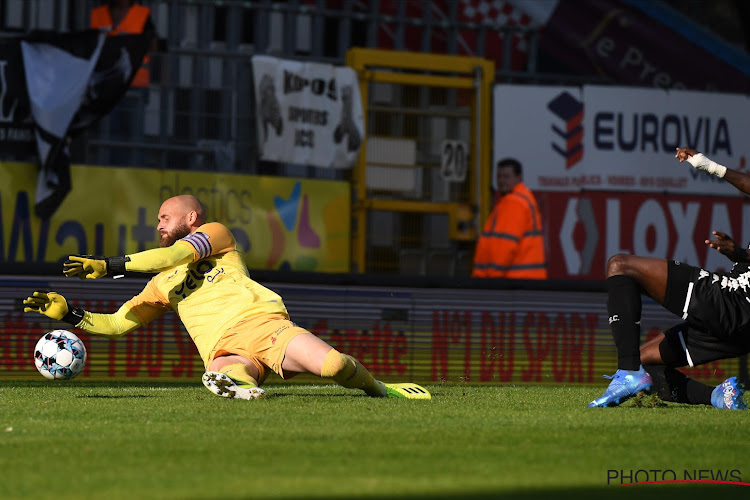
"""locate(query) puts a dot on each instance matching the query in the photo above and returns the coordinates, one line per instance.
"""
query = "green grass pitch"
(138, 440)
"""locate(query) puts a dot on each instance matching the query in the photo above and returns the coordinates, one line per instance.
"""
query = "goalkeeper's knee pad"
(336, 365)
(345, 370)
(350, 373)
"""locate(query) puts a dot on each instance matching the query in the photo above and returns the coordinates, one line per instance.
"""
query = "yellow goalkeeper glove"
(53, 305)
(90, 267)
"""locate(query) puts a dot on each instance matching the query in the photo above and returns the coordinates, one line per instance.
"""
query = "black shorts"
(716, 310)
(685, 346)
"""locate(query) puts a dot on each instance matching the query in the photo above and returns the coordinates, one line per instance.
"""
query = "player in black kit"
(715, 308)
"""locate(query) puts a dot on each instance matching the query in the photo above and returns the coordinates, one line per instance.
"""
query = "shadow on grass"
(99, 384)
(275, 390)
(626, 492)
(108, 396)
(353, 393)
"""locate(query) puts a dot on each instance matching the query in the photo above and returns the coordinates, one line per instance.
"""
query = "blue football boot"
(625, 384)
(728, 395)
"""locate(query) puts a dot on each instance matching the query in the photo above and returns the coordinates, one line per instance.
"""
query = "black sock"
(696, 393)
(660, 386)
(672, 385)
(624, 310)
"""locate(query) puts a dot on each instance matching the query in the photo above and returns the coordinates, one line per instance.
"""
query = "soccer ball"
(59, 355)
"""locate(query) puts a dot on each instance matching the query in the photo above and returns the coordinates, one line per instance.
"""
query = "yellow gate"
(421, 183)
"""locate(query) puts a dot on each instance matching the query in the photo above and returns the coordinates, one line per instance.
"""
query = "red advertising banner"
(487, 336)
(583, 229)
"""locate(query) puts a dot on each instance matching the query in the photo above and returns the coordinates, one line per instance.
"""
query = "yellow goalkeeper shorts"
(262, 340)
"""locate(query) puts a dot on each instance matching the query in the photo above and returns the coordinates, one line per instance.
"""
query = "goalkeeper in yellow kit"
(241, 329)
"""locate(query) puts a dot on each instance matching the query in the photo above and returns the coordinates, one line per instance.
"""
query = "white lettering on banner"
(579, 214)
(650, 215)
(651, 132)
(684, 248)
(604, 46)
(19, 134)
(633, 57)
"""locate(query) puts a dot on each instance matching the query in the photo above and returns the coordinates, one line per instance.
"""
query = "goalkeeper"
(241, 329)
(715, 308)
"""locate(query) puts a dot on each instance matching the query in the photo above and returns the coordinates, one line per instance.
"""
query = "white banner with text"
(307, 113)
(619, 139)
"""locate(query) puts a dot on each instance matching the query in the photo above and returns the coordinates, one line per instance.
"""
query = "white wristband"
(707, 165)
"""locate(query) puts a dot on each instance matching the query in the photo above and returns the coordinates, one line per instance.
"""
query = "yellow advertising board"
(279, 222)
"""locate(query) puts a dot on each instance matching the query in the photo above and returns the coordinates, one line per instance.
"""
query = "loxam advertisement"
(279, 223)
(582, 230)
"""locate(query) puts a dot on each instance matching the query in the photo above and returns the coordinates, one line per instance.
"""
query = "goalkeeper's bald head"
(179, 216)
(186, 203)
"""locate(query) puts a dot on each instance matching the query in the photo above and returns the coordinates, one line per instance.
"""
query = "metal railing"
(198, 111)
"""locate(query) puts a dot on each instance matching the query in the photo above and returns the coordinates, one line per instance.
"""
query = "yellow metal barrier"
(425, 161)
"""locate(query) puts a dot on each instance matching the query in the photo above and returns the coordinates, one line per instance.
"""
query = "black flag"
(57, 70)
(16, 126)
(72, 80)
(119, 61)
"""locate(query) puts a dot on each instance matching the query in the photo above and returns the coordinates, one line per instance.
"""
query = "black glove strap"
(116, 266)
(74, 316)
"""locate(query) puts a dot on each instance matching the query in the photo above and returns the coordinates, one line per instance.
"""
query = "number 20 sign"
(454, 160)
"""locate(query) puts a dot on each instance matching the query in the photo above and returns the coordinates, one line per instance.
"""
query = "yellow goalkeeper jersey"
(210, 294)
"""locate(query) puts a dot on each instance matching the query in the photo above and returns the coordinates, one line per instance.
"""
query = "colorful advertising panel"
(279, 223)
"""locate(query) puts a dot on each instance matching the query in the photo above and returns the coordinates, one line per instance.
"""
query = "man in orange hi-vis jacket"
(512, 243)
(125, 17)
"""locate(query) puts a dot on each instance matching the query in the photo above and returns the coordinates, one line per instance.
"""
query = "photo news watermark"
(623, 477)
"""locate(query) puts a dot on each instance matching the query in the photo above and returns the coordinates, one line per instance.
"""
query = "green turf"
(85, 439)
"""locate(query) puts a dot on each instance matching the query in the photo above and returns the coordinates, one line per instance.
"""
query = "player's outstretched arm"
(54, 306)
(111, 326)
(740, 180)
(149, 261)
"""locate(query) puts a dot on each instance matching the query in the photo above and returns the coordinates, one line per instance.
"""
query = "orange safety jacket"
(132, 24)
(512, 244)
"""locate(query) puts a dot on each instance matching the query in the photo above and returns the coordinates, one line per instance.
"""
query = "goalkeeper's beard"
(179, 232)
